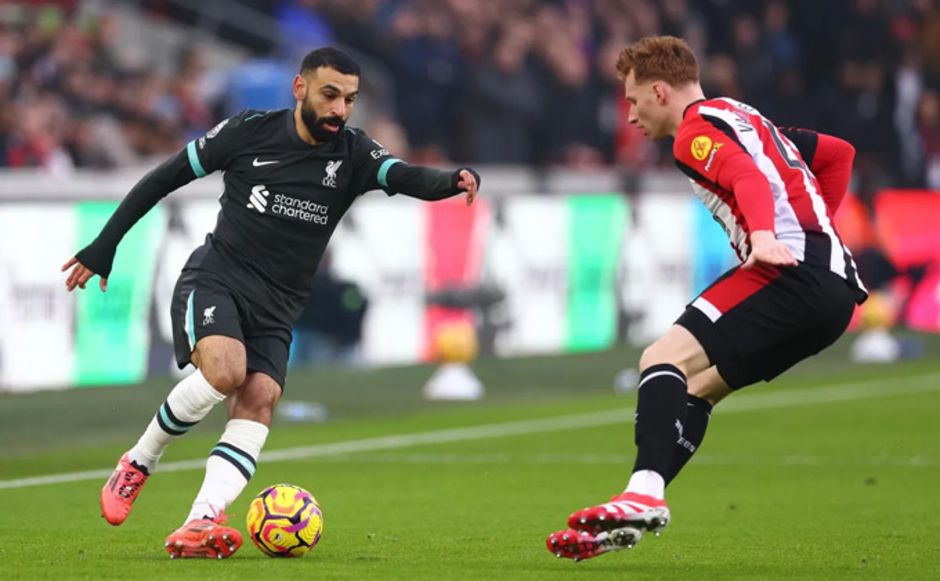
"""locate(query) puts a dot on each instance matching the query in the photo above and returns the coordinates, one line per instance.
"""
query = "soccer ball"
(455, 342)
(284, 521)
(878, 312)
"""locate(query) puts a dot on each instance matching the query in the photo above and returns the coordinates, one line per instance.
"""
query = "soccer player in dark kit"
(290, 175)
(774, 192)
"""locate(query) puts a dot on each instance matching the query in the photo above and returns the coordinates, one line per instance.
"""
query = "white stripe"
(259, 202)
(723, 214)
(836, 250)
(658, 373)
(189, 321)
(787, 226)
(625, 508)
(708, 459)
(708, 309)
(852, 391)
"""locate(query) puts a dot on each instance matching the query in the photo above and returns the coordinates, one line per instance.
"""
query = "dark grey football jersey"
(283, 197)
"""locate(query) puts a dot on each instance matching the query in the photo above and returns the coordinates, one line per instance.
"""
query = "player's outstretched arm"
(97, 257)
(80, 275)
(426, 183)
(470, 183)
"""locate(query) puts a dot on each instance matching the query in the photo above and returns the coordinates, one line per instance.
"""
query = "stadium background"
(586, 236)
(584, 245)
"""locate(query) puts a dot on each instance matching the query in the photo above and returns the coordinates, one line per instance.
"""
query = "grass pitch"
(831, 472)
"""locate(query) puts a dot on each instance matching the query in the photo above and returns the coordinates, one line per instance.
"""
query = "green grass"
(831, 472)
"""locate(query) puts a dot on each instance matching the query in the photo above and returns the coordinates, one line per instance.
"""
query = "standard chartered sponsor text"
(301, 209)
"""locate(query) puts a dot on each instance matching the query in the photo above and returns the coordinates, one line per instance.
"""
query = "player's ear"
(300, 88)
(660, 90)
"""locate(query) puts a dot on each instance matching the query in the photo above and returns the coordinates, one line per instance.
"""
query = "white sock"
(230, 466)
(188, 402)
(647, 482)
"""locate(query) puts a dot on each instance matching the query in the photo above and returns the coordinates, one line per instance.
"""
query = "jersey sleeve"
(805, 141)
(371, 162)
(709, 154)
(829, 158)
(215, 150)
(705, 149)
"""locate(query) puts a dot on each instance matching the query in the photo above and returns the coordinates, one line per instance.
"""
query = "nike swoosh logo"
(257, 163)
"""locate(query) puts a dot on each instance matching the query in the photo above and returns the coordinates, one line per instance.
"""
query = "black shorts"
(755, 324)
(206, 304)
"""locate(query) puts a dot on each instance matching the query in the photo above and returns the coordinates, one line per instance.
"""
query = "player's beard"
(315, 124)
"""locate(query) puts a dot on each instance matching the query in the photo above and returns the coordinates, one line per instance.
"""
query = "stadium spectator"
(928, 129)
(862, 83)
(503, 97)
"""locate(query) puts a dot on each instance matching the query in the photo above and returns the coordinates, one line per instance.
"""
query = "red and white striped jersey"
(712, 135)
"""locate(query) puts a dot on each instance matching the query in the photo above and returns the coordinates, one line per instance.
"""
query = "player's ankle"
(647, 483)
(142, 461)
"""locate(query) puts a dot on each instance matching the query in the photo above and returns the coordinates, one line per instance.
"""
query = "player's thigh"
(773, 361)
(677, 347)
(733, 314)
(207, 329)
(268, 336)
(749, 315)
(255, 399)
(269, 354)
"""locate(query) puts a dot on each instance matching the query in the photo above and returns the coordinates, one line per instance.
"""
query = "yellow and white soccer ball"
(455, 342)
(285, 521)
(878, 312)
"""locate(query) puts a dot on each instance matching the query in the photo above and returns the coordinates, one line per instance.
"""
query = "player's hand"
(766, 249)
(80, 275)
(467, 182)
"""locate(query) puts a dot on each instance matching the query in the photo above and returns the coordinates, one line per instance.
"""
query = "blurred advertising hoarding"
(572, 273)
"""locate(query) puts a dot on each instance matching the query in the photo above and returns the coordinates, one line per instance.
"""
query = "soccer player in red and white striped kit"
(775, 192)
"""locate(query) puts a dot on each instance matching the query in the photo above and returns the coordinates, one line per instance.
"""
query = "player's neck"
(301, 128)
(681, 100)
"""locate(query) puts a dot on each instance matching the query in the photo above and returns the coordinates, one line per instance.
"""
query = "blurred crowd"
(68, 100)
(500, 81)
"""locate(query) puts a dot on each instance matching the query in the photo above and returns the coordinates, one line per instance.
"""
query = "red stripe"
(732, 291)
(798, 196)
(452, 260)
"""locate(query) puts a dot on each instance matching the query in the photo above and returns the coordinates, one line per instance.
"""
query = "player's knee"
(225, 378)
(713, 394)
(263, 397)
(679, 348)
(255, 401)
(653, 355)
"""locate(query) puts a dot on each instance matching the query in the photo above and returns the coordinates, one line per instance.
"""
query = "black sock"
(698, 411)
(660, 410)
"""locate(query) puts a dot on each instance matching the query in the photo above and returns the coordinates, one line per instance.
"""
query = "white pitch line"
(851, 391)
(621, 459)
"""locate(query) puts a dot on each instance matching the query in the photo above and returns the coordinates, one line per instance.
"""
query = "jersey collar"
(690, 105)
